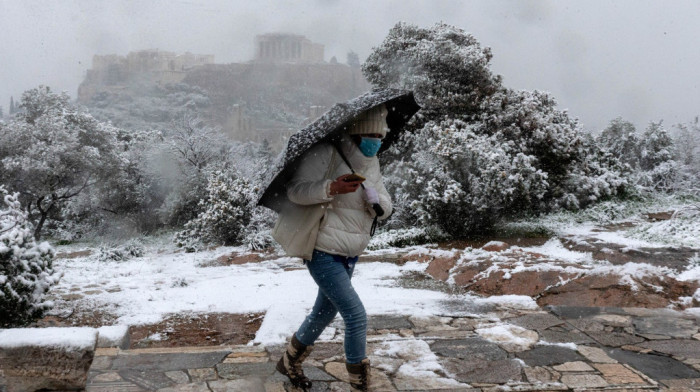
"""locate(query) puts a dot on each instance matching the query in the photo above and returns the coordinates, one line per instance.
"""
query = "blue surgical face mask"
(370, 146)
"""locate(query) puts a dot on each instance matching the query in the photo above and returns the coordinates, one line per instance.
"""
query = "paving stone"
(614, 320)
(246, 360)
(686, 348)
(454, 334)
(170, 361)
(324, 351)
(484, 371)
(178, 377)
(573, 312)
(337, 370)
(473, 349)
(540, 374)
(466, 324)
(583, 380)
(101, 363)
(146, 379)
(654, 337)
(618, 374)
(316, 374)
(655, 366)
(587, 325)
(116, 386)
(536, 321)
(615, 339)
(595, 354)
(274, 387)
(388, 322)
(407, 383)
(202, 374)
(577, 366)
(549, 355)
(242, 370)
(424, 322)
(562, 335)
(673, 327)
(106, 377)
(248, 385)
(191, 387)
(689, 385)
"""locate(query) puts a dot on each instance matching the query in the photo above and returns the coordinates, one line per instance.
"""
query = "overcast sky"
(638, 59)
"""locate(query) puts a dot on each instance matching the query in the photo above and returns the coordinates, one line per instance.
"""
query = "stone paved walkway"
(553, 349)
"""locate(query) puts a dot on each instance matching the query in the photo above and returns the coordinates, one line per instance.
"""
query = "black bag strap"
(378, 210)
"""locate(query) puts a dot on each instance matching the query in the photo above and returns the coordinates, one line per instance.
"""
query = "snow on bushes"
(26, 273)
(479, 152)
(226, 212)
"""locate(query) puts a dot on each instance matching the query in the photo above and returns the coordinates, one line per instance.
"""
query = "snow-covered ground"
(166, 281)
(145, 289)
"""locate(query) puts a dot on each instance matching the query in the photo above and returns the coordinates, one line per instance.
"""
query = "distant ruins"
(287, 48)
(286, 85)
(160, 66)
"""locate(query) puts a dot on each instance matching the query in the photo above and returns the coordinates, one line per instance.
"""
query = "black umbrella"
(401, 107)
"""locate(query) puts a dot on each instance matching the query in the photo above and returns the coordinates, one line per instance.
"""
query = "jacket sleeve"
(309, 185)
(384, 200)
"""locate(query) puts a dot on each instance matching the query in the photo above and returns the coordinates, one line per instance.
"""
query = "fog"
(600, 58)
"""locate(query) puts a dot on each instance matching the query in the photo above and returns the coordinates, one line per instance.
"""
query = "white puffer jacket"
(346, 222)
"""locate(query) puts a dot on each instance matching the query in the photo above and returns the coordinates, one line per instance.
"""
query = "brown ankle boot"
(290, 363)
(358, 374)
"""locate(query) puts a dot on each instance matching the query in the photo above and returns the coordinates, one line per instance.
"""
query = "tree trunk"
(37, 229)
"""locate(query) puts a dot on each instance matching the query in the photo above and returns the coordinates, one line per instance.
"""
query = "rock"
(495, 246)
(539, 374)
(439, 268)
(113, 336)
(46, 358)
(530, 283)
(606, 290)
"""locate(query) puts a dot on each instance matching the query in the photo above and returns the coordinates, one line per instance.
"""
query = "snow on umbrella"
(401, 107)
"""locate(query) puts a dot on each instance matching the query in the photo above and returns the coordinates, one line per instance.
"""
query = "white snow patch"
(419, 361)
(511, 337)
(522, 302)
(72, 338)
(112, 336)
(570, 346)
(555, 250)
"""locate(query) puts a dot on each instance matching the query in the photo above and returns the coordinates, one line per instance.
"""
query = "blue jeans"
(335, 294)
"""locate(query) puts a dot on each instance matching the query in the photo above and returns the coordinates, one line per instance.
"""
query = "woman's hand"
(340, 186)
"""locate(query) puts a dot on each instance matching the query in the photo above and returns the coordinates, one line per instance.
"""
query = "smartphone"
(354, 177)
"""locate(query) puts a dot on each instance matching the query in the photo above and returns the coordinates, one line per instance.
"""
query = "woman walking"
(328, 224)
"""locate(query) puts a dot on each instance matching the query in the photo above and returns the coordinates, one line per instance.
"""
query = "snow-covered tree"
(51, 152)
(477, 151)
(687, 154)
(26, 273)
(190, 151)
(226, 212)
(620, 139)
